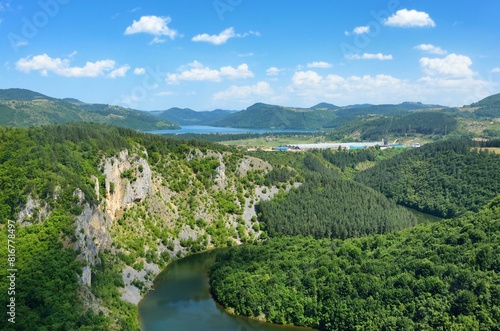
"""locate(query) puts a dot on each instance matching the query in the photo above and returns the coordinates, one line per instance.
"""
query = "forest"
(330, 250)
(328, 206)
(439, 276)
(445, 179)
(49, 164)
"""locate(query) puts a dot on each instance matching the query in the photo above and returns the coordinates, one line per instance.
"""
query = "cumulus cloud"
(431, 49)
(497, 69)
(273, 71)
(234, 92)
(222, 37)
(452, 65)
(196, 71)
(139, 71)
(319, 64)
(154, 25)
(410, 18)
(119, 72)
(369, 56)
(358, 30)
(311, 85)
(61, 67)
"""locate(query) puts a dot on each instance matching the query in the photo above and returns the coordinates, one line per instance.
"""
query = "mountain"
(435, 177)
(22, 95)
(324, 105)
(349, 113)
(186, 116)
(488, 107)
(491, 101)
(22, 108)
(376, 128)
(265, 116)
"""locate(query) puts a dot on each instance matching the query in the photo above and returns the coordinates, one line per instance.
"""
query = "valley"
(100, 210)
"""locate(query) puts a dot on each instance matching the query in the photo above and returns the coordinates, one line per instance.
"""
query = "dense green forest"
(443, 274)
(263, 116)
(421, 123)
(328, 206)
(50, 164)
(440, 276)
(445, 179)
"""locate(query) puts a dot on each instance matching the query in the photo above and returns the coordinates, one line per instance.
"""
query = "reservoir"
(180, 300)
(204, 129)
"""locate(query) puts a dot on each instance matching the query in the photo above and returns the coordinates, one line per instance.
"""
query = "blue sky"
(229, 54)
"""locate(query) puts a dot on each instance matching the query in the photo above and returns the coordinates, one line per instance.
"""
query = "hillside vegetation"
(445, 179)
(440, 276)
(411, 125)
(23, 108)
(261, 116)
(99, 210)
(328, 206)
(186, 116)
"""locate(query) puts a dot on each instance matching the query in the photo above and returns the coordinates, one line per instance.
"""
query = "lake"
(214, 129)
(180, 300)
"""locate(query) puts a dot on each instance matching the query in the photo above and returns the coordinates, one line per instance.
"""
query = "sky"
(230, 54)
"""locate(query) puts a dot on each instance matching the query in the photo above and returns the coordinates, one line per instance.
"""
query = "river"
(180, 300)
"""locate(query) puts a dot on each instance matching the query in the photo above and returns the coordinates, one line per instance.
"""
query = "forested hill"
(96, 212)
(488, 107)
(186, 116)
(327, 206)
(263, 116)
(445, 179)
(415, 123)
(439, 276)
(23, 108)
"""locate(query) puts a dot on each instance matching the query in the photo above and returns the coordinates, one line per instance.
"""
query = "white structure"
(332, 145)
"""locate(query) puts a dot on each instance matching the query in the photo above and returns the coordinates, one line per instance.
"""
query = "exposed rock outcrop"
(128, 180)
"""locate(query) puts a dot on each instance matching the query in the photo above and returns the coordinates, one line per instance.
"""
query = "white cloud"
(154, 25)
(119, 72)
(222, 37)
(306, 78)
(273, 71)
(308, 87)
(195, 71)
(261, 89)
(497, 69)
(139, 71)
(452, 65)
(410, 18)
(431, 49)
(319, 64)
(361, 29)
(61, 67)
(369, 56)
(314, 87)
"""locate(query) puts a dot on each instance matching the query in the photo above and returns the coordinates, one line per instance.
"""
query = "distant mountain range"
(20, 107)
(186, 116)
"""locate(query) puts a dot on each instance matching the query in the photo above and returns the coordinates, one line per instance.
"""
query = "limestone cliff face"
(93, 225)
(144, 222)
(125, 190)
